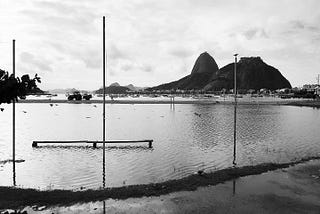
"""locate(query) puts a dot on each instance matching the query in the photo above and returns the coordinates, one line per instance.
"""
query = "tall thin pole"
(14, 114)
(104, 99)
(235, 110)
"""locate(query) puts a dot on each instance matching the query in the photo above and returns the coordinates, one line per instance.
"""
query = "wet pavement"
(292, 190)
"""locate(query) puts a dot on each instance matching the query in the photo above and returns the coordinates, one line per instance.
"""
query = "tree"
(13, 87)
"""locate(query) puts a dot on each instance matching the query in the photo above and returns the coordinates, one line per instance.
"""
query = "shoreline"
(18, 197)
(126, 101)
(288, 102)
(306, 103)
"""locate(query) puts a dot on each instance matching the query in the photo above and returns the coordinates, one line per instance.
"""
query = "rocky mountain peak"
(115, 84)
(205, 64)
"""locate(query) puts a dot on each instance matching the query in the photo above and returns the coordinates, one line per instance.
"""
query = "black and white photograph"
(159, 106)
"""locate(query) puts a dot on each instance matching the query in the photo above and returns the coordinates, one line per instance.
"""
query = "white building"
(310, 87)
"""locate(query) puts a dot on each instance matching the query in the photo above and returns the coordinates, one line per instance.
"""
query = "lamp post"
(235, 110)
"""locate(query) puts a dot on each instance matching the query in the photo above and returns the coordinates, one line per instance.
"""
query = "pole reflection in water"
(14, 172)
(234, 188)
(172, 106)
(104, 173)
(235, 134)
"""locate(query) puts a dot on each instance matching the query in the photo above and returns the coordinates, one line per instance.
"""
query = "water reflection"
(14, 172)
(184, 142)
(235, 134)
(104, 172)
(210, 126)
(172, 106)
(125, 148)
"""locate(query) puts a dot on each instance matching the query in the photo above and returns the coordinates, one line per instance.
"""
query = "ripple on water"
(184, 142)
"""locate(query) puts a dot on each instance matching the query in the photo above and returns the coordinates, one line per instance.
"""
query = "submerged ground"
(281, 191)
(291, 190)
(308, 174)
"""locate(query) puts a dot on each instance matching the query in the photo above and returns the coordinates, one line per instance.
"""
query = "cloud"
(115, 53)
(147, 68)
(128, 65)
(92, 58)
(57, 7)
(255, 33)
(180, 52)
(32, 62)
(151, 42)
(297, 24)
(301, 27)
(61, 17)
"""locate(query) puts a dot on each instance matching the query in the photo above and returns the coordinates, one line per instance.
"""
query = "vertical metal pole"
(104, 100)
(14, 115)
(235, 110)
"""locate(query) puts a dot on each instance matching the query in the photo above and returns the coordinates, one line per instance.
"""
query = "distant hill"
(252, 73)
(129, 87)
(114, 84)
(202, 72)
(113, 90)
(135, 88)
(63, 91)
(35, 91)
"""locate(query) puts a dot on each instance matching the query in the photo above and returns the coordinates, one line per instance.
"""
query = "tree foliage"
(13, 87)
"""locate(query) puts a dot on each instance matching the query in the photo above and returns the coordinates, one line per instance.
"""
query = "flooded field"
(187, 137)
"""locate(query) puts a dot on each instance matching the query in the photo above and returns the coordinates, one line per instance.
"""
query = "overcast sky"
(150, 42)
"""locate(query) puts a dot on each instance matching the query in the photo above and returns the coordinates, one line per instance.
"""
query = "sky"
(150, 42)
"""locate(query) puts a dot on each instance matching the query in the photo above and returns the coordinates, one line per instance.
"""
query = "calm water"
(183, 141)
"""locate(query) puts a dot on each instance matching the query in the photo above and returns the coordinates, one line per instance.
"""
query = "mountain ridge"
(252, 73)
(204, 68)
